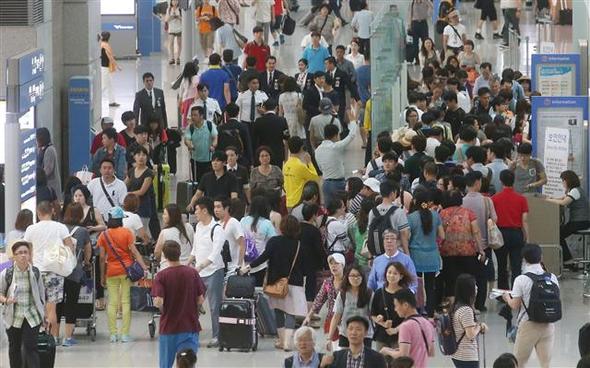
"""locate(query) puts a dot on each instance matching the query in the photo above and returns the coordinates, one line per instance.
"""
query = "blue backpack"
(447, 340)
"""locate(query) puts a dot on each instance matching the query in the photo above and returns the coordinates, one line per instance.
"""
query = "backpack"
(447, 340)
(379, 224)
(225, 253)
(230, 137)
(251, 252)
(9, 273)
(544, 303)
(356, 5)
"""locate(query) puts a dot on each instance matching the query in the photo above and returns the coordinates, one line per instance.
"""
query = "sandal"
(99, 305)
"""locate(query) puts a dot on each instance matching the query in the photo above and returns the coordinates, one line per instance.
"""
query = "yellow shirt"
(296, 174)
(367, 115)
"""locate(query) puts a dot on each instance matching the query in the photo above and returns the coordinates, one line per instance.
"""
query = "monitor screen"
(117, 7)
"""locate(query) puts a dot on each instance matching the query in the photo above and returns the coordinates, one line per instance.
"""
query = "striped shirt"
(467, 350)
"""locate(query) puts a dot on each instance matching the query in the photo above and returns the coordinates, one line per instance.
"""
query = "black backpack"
(544, 303)
(379, 224)
(230, 137)
(447, 339)
(225, 252)
(10, 272)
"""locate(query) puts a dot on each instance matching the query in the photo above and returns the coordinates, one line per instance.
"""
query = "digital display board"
(117, 7)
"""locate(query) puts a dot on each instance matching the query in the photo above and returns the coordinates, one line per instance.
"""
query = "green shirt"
(25, 306)
(202, 138)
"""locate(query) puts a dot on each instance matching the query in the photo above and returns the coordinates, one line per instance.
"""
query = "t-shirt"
(132, 222)
(121, 240)
(317, 125)
(454, 39)
(382, 304)
(179, 287)
(205, 248)
(201, 139)
(213, 186)
(467, 349)
(41, 235)
(233, 232)
(522, 288)
(412, 331)
(399, 220)
(296, 175)
(215, 78)
(362, 22)
(260, 52)
(525, 176)
(423, 247)
(349, 309)
(186, 245)
(264, 231)
(263, 10)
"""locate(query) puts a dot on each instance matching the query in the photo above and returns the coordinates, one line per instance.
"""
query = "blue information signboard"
(28, 164)
(31, 66)
(79, 117)
(556, 74)
(30, 93)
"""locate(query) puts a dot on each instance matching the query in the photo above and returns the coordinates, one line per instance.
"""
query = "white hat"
(338, 258)
(373, 184)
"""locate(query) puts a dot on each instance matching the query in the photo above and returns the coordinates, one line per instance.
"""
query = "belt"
(339, 179)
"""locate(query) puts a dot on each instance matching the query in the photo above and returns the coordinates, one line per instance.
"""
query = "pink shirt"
(410, 332)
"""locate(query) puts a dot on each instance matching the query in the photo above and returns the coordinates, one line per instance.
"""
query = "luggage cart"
(86, 309)
(141, 298)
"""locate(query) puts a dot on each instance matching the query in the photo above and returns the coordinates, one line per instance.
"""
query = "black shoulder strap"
(213, 231)
(455, 30)
(104, 190)
(324, 24)
(210, 126)
(332, 120)
(421, 330)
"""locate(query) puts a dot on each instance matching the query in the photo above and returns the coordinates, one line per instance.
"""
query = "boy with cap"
(105, 123)
(319, 122)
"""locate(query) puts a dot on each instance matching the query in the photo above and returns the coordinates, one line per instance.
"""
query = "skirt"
(294, 303)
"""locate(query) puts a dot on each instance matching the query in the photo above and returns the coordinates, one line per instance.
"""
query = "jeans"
(429, 288)
(465, 364)
(510, 19)
(419, 30)
(513, 244)
(534, 335)
(214, 284)
(25, 336)
(173, 343)
(330, 188)
(567, 230)
(284, 320)
(119, 288)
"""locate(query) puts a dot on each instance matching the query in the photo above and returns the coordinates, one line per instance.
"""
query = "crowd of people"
(387, 251)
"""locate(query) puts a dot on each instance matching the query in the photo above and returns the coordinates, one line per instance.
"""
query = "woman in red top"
(117, 251)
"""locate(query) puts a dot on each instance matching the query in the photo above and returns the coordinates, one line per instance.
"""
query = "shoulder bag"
(280, 288)
(134, 272)
(106, 193)
(495, 239)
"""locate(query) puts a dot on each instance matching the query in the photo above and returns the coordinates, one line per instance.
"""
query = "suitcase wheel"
(152, 328)
(92, 334)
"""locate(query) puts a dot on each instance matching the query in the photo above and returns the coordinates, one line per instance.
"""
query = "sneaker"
(114, 104)
(497, 36)
(113, 338)
(126, 338)
(282, 39)
(213, 343)
(69, 342)
(478, 36)
(171, 62)
(177, 61)
(275, 44)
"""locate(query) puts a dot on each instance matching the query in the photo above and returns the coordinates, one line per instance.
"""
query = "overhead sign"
(559, 137)
(30, 94)
(556, 74)
(31, 66)
(110, 26)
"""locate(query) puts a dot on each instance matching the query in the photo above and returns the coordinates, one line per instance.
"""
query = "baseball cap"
(117, 213)
(338, 258)
(372, 184)
(326, 105)
(107, 120)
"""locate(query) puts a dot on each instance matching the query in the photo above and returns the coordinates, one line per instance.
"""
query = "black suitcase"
(46, 348)
(265, 317)
(566, 17)
(240, 286)
(184, 192)
(237, 325)
(584, 340)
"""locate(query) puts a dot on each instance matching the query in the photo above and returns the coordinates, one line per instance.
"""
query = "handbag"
(280, 288)
(84, 175)
(134, 272)
(241, 40)
(495, 239)
(301, 114)
(289, 24)
(215, 23)
(59, 259)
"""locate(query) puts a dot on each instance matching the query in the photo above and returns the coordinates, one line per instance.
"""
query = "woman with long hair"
(425, 227)
(139, 181)
(258, 229)
(428, 52)
(73, 283)
(285, 259)
(383, 314)
(174, 229)
(353, 299)
(92, 218)
(108, 65)
(290, 101)
(355, 57)
(360, 230)
(68, 192)
(187, 90)
(310, 194)
(47, 160)
(174, 20)
(464, 323)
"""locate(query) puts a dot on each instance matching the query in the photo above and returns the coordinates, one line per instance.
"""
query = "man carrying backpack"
(535, 294)
(398, 220)
(234, 133)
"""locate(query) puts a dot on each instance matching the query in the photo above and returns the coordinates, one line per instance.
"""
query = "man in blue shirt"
(201, 140)
(112, 150)
(233, 70)
(217, 80)
(392, 254)
(363, 80)
(315, 54)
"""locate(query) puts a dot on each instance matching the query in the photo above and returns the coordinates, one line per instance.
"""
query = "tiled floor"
(143, 352)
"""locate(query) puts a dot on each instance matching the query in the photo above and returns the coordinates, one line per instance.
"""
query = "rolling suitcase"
(240, 286)
(46, 348)
(237, 325)
(265, 317)
(184, 192)
(553, 258)
(162, 186)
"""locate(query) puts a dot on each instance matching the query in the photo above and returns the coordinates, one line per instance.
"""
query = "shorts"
(488, 11)
(54, 287)
(176, 34)
(276, 26)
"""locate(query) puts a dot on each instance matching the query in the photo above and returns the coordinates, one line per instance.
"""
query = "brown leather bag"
(280, 288)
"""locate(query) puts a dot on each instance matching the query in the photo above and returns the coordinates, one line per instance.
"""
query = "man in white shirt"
(212, 111)
(206, 256)
(361, 24)
(250, 102)
(330, 158)
(233, 233)
(454, 34)
(107, 191)
(533, 332)
(41, 235)
(306, 41)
